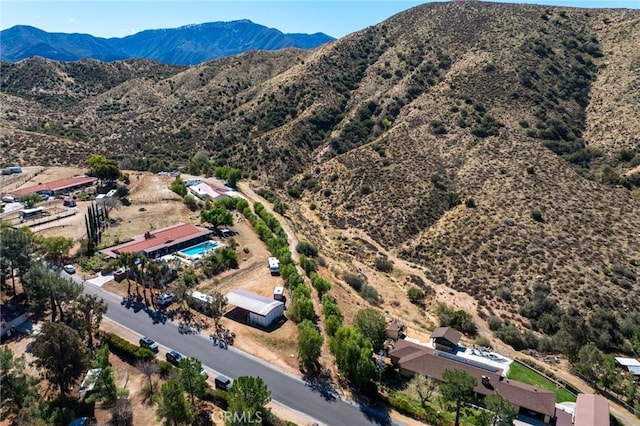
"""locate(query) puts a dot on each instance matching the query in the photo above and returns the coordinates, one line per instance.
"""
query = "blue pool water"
(199, 249)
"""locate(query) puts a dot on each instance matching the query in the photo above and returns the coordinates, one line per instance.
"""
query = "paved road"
(285, 389)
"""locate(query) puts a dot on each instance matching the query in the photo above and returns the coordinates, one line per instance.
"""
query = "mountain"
(187, 45)
(494, 147)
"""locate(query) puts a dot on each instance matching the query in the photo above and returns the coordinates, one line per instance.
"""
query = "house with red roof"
(160, 242)
(57, 186)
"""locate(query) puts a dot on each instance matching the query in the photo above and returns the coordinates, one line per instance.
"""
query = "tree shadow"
(322, 385)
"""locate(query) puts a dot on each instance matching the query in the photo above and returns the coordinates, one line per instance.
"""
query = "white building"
(261, 310)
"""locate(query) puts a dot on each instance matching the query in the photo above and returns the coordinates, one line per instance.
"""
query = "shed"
(630, 365)
(262, 310)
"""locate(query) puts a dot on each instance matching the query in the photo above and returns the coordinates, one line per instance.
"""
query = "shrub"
(494, 323)
(121, 347)
(294, 192)
(166, 368)
(438, 127)
(415, 294)
(370, 294)
(306, 248)
(354, 280)
(217, 396)
(383, 264)
(470, 203)
(537, 215)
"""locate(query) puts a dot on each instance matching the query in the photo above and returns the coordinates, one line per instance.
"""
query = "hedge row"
(219, 397)
(122, 347)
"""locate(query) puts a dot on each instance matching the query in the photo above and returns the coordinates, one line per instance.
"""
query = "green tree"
(86, 314)
(105, 388)
(372, 324)
(60, 354)
(179, 187)
(309, 343)
(590, 362)
(301, 307)
(247, 400)
(217, 216)
(18, 388)
(231, 175)
(103, 168)
(191, 378)
(30, 200)
(457, 386)
(45, 288)
(502, 411)
(15, 253)
(611, 376)
(354, 354)
(172, 406)
(55, 248)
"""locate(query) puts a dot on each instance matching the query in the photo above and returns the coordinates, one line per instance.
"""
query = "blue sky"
(104, 18)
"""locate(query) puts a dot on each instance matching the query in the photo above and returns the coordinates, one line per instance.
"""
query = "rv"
(274, 265)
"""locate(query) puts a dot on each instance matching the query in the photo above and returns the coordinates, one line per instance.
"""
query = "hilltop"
(492, 147)
(186, 45)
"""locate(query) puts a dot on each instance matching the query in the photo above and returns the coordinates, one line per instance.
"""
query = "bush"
(166, 368)
(415, 295)
(370, 294)
(306, 248)
(383, 264)
(354, 280)
(494, 323)
(537, 215)
(218, 397)
(120, 346)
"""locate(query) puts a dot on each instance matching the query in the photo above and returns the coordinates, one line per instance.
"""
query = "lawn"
(523, 374)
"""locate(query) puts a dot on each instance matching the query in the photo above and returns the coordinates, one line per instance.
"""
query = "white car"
(69, 269)
(165, 299)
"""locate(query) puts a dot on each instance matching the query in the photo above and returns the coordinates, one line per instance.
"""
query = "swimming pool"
(200, 249)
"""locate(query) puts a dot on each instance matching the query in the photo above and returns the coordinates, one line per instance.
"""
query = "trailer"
(274, 265)
(29, 214)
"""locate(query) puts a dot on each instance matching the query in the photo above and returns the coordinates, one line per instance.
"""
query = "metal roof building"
(262, 310)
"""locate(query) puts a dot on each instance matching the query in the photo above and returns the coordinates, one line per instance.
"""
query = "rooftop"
(447, 333)
(56, 185)
(154, 240)
(431, 362)
(591, 410)
(252, 302)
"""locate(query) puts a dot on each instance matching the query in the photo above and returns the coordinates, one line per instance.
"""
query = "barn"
(261, 310)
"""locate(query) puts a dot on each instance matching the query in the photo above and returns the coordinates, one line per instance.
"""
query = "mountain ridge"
(186, 45)
(491, 144)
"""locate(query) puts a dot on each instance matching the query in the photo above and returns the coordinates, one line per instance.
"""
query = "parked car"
(174, 357)
(223, 382)
(166, 299)
(69, 269)
(146, 342)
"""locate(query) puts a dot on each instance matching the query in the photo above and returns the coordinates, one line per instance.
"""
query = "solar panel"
(466, 361)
